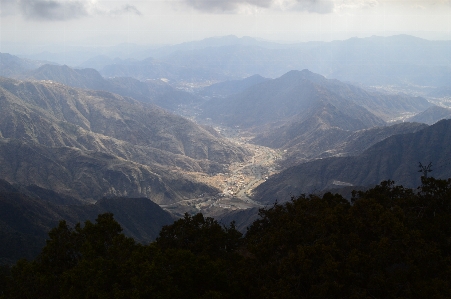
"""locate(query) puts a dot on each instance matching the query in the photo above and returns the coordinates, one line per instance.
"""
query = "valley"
(222, 130)
(237, 184)
(234, 149)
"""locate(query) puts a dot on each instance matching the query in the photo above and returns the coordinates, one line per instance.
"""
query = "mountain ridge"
(394, 158)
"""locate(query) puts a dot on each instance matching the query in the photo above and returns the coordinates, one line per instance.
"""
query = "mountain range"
(394, 60)
(102, 135)
(94, 143)
(150, 91)
(395, 158)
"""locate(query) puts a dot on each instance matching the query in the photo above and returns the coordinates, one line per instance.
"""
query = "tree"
(201, 236)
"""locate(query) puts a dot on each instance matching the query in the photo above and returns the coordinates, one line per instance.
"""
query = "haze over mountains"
(282, 120)
(394, 60)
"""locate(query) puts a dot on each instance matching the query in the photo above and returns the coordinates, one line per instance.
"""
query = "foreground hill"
(67, 127)
(390, 242)
(394, 158)
(25, 220)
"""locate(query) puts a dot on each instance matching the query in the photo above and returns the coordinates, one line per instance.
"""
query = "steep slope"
(304, 145)
(91, 175)
(26, 220)
(394, 158)
(92, 144)
(32, 110)
(431, 115)
(291, 95)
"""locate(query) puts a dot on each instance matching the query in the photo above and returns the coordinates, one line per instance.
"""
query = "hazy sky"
(101, 23)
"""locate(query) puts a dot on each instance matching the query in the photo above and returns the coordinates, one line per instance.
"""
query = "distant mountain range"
(13, 66)
(151, 91)
(394, 60)
(375, 60)
(310, 116)
(282, 99)
(394, 158)
(227, 88)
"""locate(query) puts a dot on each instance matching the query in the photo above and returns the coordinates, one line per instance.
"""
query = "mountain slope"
(26, 220)
(92, 144)
(280, 99)
(13, 66)
(151, 91)
(227, 88)
(43, 103)
(91, 175)
(305, 145)
(394, 158)
(431, 115)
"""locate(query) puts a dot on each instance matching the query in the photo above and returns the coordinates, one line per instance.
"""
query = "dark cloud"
(317, 6)
(53, 10)
(60, 10)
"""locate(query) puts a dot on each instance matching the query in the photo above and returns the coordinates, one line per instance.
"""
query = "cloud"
(53, 10)
(125, 9)
(223, 6)
(356, 4)
(60, 10)
(316, 6)
(312, 6)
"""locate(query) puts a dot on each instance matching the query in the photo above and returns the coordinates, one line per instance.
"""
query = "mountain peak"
(304, 74)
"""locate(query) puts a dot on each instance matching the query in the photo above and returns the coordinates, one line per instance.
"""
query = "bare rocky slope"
(88, 133)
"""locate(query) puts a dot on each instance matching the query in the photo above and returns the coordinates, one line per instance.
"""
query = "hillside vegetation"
(390, 242)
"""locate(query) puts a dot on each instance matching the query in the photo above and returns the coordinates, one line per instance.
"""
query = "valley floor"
(236, 185)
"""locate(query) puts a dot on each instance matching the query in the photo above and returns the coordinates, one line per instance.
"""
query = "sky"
(32, 24)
